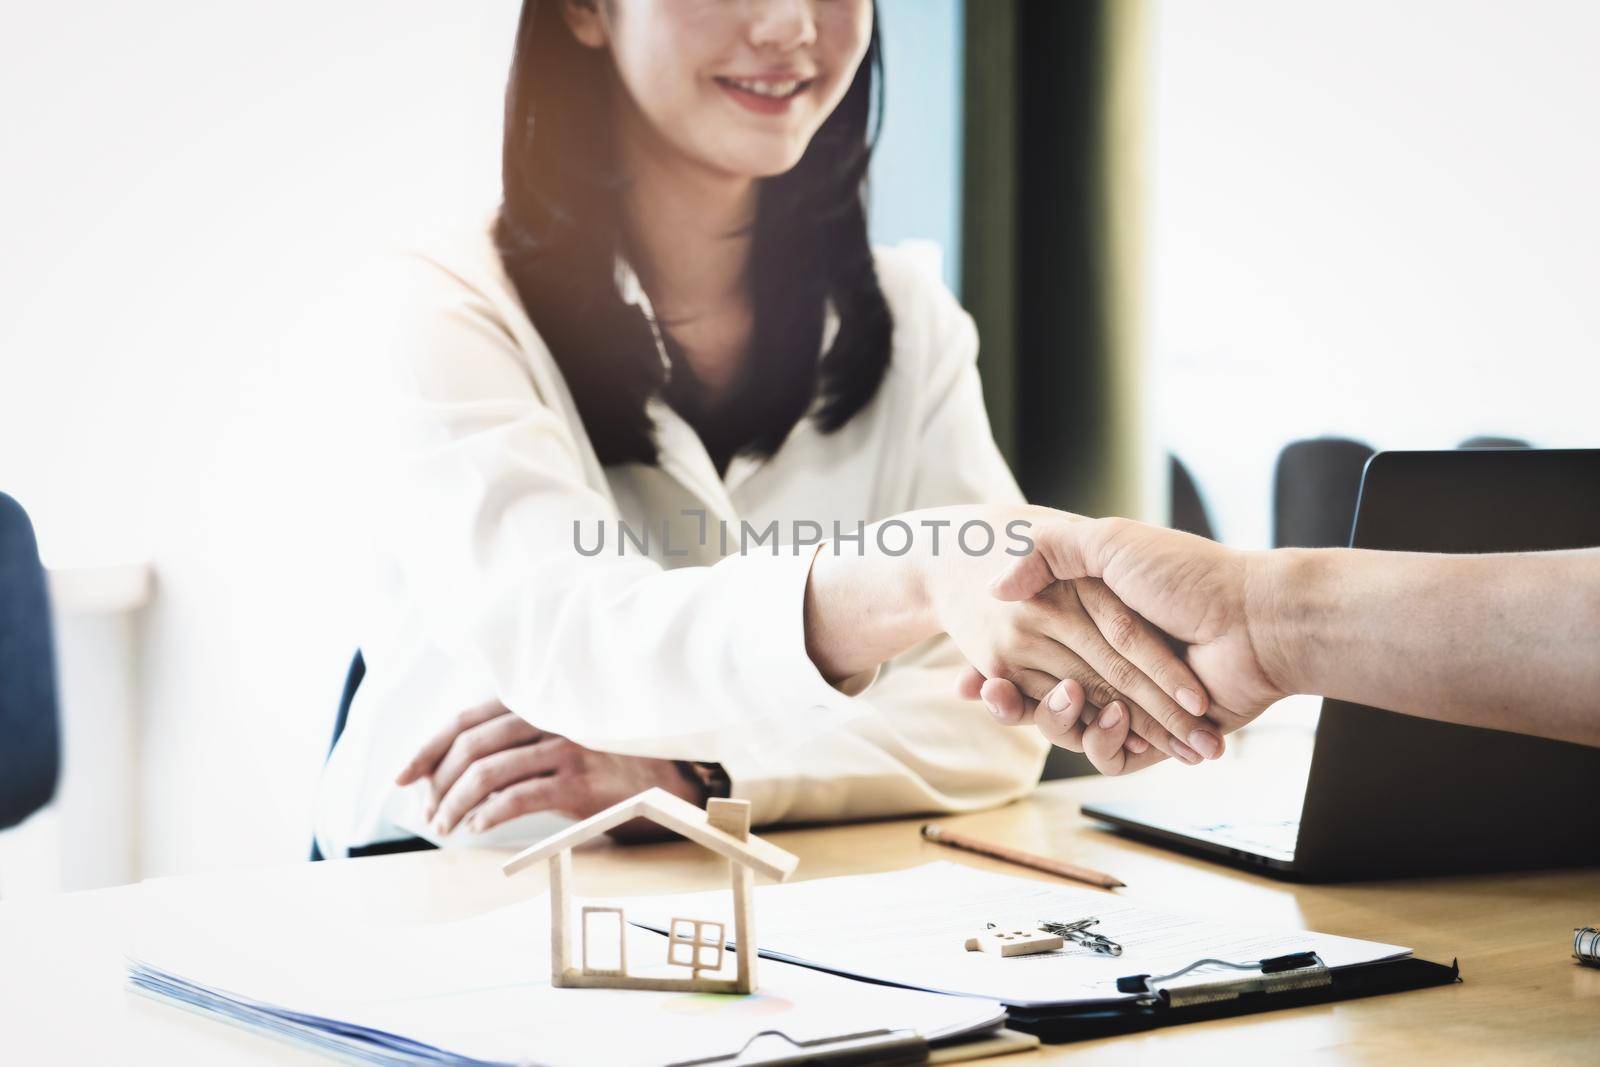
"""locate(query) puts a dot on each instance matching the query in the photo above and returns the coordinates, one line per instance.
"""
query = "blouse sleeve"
(484, 488)
(917, 747)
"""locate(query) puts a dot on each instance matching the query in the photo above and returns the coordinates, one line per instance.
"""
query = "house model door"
(596, 964)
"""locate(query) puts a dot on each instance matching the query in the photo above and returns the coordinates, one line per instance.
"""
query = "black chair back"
(30, 732)
(1314, 492)
(1186, 508)
(1494, 442)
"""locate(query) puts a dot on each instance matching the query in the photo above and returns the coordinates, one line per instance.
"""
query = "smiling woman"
(656, 156)
(675, 321)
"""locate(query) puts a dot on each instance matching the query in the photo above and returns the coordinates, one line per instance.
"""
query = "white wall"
(188, 189)
(1375, 218)
(189, 194)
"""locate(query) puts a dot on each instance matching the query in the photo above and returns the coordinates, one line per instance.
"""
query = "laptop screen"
(1510, 500)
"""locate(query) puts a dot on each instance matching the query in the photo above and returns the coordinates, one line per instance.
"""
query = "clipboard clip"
(774, 1048)
(1219, 980)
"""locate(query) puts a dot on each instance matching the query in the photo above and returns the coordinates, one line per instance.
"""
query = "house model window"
(697, 945)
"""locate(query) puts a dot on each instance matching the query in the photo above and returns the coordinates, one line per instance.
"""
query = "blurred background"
(1192, 234)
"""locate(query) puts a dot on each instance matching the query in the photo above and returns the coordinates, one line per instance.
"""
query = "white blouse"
(488, 502)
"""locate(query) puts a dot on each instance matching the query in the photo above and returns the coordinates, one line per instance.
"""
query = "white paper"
(480, 988)
(910, 927)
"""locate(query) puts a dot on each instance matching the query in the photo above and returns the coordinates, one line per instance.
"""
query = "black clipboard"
(1270, 985)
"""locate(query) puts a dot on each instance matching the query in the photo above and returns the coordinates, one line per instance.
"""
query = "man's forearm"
(1507, 641)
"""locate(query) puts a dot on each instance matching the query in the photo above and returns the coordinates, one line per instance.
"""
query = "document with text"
(478, 991)
(909, 928)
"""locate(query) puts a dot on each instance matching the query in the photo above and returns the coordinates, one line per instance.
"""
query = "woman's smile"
(766, 94)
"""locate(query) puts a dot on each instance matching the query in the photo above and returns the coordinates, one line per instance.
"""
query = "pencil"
(1022, 859)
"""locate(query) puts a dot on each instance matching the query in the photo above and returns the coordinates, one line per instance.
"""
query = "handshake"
(1183, 649)
(1129, 643)
(1505, 641)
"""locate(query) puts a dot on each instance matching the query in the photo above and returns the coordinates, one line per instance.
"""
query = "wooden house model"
(695, 944)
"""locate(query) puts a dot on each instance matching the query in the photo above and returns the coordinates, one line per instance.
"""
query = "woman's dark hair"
(559, 230)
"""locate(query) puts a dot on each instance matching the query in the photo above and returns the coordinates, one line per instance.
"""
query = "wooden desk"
(1524, 1000)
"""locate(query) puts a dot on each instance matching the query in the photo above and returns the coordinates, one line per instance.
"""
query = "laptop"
(1391, 795)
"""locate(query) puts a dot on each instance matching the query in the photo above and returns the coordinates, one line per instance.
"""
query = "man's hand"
(1197, 591)
(1080, 633)
(489, 766)
(1074, 631)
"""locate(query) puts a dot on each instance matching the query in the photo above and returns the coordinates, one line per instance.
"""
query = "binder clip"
(1209, 981)
(1586, 945)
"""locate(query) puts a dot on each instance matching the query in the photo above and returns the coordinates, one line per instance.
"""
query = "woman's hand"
(1076, 644)
(1197, 591)
(489, 766)
(1194, 589)
(1067, 720)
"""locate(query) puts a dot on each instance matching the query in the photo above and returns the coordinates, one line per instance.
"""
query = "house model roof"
(677, 815)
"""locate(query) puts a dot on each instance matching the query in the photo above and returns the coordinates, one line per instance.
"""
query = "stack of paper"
(478, 991)
(910, 928)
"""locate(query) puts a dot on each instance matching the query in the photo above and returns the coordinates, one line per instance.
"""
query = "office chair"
(1314, 492)
(1317, 483)
(1493, 442)
(30, 731)
(1186, 510)
(352, 682)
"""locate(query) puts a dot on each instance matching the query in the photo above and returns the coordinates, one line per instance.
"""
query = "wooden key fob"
(1009, 942)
